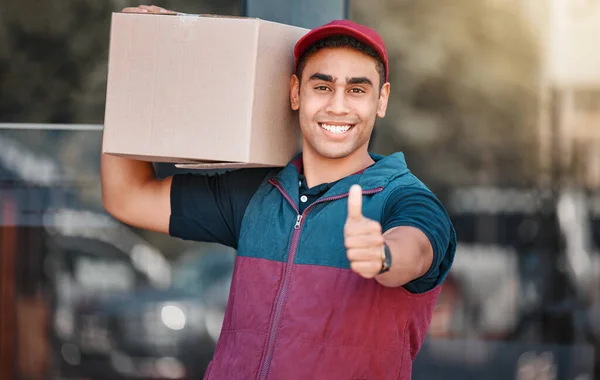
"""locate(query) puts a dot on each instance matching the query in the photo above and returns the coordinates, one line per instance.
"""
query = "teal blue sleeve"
(418, 207)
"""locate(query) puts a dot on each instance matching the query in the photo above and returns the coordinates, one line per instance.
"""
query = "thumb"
(355, 202)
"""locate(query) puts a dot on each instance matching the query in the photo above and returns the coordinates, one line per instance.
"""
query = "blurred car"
(89, 259)
(521, 300)
(157, 333)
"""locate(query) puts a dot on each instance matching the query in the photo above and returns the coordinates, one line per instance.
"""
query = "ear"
(295, 92)
(384, 95)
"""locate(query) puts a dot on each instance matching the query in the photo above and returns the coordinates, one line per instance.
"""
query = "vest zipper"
(291, 255)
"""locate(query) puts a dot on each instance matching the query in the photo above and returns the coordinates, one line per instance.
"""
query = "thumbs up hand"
(363, 238)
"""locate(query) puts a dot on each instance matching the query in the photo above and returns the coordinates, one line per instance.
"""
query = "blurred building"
(570, 112)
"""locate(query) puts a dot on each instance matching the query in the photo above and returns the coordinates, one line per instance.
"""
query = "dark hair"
(342, 41)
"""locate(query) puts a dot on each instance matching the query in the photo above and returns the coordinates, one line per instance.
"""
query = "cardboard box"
(202, 90)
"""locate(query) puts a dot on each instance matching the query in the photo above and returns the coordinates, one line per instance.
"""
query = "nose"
(337, 104)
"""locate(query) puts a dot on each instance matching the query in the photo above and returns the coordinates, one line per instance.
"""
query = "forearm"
(412, 256)
(132, 194)
(121, 177)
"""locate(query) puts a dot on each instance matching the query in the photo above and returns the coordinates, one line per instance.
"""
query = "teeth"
(335, 128)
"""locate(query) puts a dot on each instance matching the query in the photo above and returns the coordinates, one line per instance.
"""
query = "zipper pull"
(298, 220)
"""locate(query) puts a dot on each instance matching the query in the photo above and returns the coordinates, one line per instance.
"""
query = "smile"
(338, 129)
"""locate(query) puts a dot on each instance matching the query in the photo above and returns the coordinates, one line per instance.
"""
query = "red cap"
(346, 28)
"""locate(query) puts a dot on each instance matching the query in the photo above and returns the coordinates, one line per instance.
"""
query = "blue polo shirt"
(210, 208)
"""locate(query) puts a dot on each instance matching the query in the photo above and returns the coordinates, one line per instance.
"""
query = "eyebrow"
(323, 77)
(359, 80)
(331, 79)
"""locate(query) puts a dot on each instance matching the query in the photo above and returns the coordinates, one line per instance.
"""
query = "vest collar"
(378, 175)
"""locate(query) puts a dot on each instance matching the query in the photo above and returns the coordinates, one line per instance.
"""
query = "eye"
(356, 90)
(322, 88)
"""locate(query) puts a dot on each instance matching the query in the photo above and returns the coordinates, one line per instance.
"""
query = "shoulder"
(195, 192)
(409, 188)
(411, 202)
(234, 179)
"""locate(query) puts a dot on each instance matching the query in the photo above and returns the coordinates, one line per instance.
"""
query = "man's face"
(338, 101)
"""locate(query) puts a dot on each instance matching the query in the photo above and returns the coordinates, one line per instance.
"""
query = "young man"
(340, 254)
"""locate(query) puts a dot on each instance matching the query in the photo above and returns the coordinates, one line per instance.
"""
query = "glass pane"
(83, 296)
(114, 301)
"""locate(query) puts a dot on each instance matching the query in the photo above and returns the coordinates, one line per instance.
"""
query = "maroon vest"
(333, 325)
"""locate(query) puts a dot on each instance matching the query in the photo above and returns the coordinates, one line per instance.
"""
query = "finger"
(366, 269)
(363, 241)
(362, 227)
(355, 203)
(146, 7)
(134, 10)
(152, 9)
(364, 254)
(156, 9)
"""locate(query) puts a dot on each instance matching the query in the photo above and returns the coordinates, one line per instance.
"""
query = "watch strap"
(386, 257)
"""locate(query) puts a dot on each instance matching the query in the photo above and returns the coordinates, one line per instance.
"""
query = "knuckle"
(360, 229)
(375, 226)
(368, 273)
(352, 229)
(375, 256)
(351, 254)
(348, 243)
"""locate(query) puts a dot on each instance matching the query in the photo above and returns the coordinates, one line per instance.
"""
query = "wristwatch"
(386, 257)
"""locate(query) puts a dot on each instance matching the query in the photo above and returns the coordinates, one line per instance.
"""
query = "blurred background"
(496, 104)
